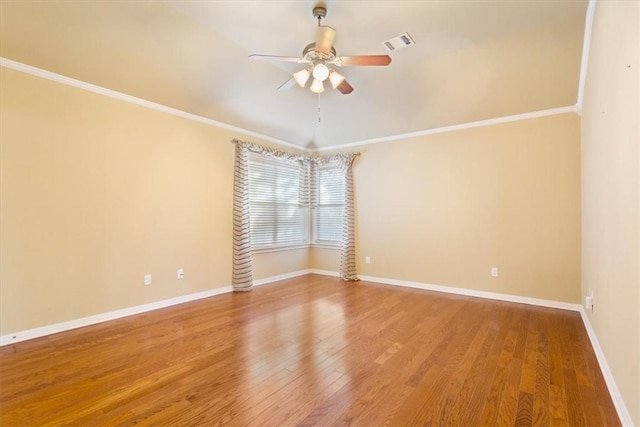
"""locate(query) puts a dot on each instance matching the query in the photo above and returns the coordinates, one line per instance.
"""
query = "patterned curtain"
(304, 188)
(242, 276)
(271, 152)
(348, 249)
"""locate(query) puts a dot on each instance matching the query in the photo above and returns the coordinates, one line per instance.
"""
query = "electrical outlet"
(180, 274)
(494, 271)
(147, 279)
(588, 301)
(367, 260)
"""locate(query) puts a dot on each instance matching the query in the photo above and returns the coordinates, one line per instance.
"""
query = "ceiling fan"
(321, 55)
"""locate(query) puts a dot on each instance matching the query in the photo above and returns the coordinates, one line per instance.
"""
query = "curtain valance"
(343, 159)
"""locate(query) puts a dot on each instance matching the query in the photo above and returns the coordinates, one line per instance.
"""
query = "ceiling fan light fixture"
(301, 77)
(317, 86)
(335, 78)
(320, 72)
(320, 54)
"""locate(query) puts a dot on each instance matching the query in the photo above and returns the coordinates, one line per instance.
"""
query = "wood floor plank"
(432, 377)
(571, 391)
(313, 351)
(489, 412)
(456, 391)
(524, 412)
(542, 379)
(475, 394)
(384, 398)
(508, 407)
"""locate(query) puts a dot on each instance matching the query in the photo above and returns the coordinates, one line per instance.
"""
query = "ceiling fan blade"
(275, 58)
(351, 61)
(288, 84)
(324, 39)
(345, 88)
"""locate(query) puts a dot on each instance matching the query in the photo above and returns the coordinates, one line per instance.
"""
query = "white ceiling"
(473, 60)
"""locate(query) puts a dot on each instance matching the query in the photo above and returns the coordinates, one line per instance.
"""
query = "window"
(329, 210)
(277, 219)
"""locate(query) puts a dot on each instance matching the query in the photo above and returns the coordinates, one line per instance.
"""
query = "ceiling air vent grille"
(398, 42)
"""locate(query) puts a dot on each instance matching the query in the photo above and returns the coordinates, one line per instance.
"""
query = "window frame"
(315, 242)
(273, 247)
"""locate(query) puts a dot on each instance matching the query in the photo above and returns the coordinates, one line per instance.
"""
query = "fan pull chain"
(319, 110)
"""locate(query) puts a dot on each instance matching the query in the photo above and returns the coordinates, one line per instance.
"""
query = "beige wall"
(611, 192)
(270, 264)
(329, 259)
(96, 192)
(444, 209)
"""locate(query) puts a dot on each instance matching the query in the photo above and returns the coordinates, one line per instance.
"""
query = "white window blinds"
(276, 217)
(330, 207)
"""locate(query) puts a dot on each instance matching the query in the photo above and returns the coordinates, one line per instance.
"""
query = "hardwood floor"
(313, 351)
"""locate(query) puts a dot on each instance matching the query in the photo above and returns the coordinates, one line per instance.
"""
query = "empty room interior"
(320, 213)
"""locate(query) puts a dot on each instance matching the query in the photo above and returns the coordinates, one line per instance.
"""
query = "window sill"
(279, 248)
(335, 246)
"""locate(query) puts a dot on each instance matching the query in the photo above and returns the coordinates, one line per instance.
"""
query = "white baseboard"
(280, 277)
(325, 272)
(621, 408)
(623, 413)
(461, 291)
(129, 311)
(112, 315)
(473, 293)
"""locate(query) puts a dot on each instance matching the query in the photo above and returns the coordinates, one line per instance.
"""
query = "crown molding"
(453, 128)
(586, 47)
(39, 72)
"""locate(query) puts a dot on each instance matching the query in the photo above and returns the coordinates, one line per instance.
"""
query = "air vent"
(399, 42)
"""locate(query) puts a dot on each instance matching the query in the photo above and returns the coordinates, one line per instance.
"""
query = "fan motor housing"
(319, 12)
(309, 53)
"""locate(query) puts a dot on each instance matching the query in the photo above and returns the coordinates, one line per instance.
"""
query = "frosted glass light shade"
(320, 72)
(335, 78)
(317, 86)
(301, 77)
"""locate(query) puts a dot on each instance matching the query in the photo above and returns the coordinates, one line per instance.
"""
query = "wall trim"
(453, 128)
(614, 392)
(130, 311)
(618, 402)
(39, 72)
(324, 272)
(586, 47)
(473, 293)
(260, 282)
(112, 315)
